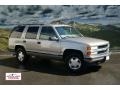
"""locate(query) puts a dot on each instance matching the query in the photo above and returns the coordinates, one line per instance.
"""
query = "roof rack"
(31, 24)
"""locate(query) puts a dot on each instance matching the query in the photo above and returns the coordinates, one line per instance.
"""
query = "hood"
(88, 41)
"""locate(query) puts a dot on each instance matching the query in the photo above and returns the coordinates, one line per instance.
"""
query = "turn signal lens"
(88, 53)
(88, 48)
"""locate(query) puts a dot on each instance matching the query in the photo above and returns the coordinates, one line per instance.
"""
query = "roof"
(58, 25)
(54, 25)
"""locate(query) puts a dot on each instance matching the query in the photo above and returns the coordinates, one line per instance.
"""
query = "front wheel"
(74, 63)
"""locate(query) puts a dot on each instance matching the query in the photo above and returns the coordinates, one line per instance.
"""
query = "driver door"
(48, 46)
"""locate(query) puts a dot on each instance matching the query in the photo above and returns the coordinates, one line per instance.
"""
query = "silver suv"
(57, 42)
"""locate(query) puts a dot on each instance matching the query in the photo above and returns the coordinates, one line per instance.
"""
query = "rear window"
(17, 32)
(32, 32)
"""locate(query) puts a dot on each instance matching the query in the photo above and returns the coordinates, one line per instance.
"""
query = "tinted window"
(47, 32)
(32, 32)
(17, 32)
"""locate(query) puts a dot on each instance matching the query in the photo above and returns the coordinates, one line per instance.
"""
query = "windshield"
(65, 31)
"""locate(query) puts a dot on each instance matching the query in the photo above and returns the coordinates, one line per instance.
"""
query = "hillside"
(4, 34)
(106, 32)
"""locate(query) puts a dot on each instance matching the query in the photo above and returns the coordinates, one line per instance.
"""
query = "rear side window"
(32, 32)
(17, 32)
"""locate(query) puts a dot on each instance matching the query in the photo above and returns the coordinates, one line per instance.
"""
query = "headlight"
(95, 47)
(91, 48)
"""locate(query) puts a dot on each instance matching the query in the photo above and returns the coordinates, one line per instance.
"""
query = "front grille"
(103, 51)
(102, 46)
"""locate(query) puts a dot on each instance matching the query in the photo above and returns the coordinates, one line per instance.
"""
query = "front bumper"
(101, 58)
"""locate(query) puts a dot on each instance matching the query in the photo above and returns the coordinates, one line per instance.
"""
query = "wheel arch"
(19, 46)
(69, 51)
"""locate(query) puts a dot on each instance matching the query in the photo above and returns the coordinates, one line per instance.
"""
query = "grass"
(4, 34)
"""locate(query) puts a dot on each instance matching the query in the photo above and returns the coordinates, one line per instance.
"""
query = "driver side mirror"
(53, 38)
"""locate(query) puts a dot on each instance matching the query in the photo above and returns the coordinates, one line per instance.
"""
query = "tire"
(74, 63)
(21, 56)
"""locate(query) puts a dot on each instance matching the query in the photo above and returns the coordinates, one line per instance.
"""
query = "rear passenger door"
(31, 38)
(48, 46)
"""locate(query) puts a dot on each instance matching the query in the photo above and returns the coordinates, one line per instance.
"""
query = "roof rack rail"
(31, 24)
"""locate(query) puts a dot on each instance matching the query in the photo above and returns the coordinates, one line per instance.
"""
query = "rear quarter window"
(17, 32)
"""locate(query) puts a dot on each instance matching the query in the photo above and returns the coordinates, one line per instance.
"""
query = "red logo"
(13, 76)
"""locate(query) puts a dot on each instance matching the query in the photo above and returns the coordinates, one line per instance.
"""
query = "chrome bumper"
(99, 58)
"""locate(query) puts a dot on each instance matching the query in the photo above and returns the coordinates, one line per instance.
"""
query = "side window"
(47, 32)
(32, 32)
(17, 32)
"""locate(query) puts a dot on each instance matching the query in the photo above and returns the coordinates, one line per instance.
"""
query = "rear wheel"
(21, 55)
(74, 62)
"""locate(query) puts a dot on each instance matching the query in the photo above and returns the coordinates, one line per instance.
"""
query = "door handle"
(38, 42)
(24, 41)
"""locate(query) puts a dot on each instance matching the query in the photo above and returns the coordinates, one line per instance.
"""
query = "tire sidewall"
(25, 55)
